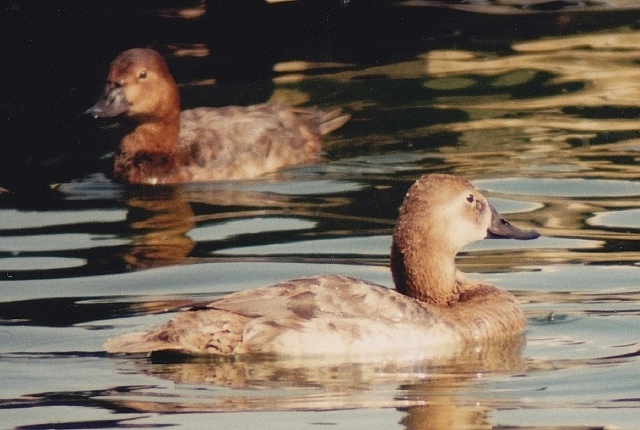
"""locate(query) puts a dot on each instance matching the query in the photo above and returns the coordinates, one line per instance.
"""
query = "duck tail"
(324, 122)
(136, 343)
(200, 330)
(332, 120)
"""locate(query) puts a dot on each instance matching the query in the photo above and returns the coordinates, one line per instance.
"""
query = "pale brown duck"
(202, 144)
(434, 310)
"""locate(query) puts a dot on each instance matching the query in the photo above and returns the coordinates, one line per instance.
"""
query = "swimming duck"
(434, 305)
(202, 144)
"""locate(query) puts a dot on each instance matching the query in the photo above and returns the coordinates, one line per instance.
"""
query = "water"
(543, 120)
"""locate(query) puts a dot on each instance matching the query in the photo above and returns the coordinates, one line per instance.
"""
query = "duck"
(166, 146)
(434, 306)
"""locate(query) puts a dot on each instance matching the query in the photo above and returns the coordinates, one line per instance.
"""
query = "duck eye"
(470, 198)
(143, 74)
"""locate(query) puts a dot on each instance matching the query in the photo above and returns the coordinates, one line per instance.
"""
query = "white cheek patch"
(462, 223)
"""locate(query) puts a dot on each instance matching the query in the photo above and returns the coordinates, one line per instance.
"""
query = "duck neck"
(149, 152)
(423, 271)
(153, 135)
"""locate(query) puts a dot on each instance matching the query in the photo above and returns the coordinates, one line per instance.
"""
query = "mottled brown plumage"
(435, 311)
(202, 144)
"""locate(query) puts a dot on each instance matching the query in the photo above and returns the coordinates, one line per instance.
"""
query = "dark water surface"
(536, 102)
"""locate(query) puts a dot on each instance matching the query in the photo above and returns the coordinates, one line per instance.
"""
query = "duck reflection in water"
(160, 219)
(426, 391)
(159, 222)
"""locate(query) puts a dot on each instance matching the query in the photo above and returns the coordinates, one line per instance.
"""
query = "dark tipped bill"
(501, 228)
(112, 103)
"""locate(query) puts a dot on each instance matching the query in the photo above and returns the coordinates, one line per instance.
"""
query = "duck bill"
(502, 229)
(111, 103)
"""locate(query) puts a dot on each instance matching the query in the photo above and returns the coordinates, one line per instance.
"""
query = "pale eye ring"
(470, 198)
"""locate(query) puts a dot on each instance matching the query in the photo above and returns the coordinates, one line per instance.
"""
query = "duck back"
(335, 315)
(236, 142)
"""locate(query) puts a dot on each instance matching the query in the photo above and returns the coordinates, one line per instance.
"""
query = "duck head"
(139, 86)
(439, 216)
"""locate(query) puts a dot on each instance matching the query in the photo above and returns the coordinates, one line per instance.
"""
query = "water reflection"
(146, 227)
(426, 391)
(159, 227)
(572, 106)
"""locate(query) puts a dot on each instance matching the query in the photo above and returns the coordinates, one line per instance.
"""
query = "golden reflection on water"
(587, 85)
(604, 62)
(599, 71)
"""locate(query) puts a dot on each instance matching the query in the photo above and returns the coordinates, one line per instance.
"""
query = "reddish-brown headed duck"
(202, 144)
(434, 311)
